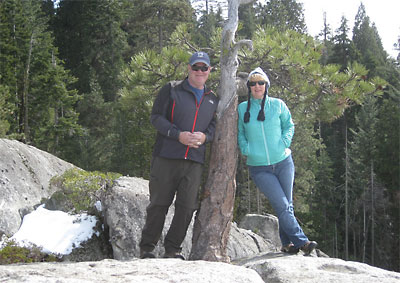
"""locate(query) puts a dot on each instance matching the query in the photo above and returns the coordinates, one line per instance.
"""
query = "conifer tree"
(44, 103)
(368, 199)
(368, 43)
(208, 24)
(12, 56)
(149, 24)
(92, 43)
(343, 51)
(388, 160)
(283, 15)
(325, 37)
(4, 111)
(248, 21)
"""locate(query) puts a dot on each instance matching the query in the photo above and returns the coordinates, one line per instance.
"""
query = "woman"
(265, 131)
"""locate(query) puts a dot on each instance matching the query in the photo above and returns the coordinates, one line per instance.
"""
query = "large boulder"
(264, 225)
(124, 213)
(125, 210)
(279, 267)
(270, 267)
(25, 172)
(135, 271)
(244, 243)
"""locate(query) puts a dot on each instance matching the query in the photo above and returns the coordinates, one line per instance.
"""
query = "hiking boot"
(290, 249)
(174, 255)
(145, 254)
(309, 247)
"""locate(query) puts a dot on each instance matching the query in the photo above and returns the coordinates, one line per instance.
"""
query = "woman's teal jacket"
(265, 142)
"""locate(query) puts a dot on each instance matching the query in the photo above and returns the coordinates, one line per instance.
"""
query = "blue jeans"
(276, 183)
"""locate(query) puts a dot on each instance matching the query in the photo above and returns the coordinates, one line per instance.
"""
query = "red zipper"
(194, 122)
(172, 112)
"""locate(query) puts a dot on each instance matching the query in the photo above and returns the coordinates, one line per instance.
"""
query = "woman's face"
(257, 89)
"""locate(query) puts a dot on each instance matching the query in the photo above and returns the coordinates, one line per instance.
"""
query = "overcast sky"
(384, 13)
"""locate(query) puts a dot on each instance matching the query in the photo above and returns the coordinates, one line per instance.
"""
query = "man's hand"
(201, 138)
(194, 140)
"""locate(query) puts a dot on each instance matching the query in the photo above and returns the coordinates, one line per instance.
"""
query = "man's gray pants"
(170, 177)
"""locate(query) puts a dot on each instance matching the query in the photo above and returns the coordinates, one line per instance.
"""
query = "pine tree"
(12, 55)
(92, 43)
(247, 21)
(368, 193)
(4, 111)
(327, 199)
(207, 25)
(325, 37)
(283, 15)
(44, 102)
(388, 160)
(367, 41)
(149, 24)
(343, 51)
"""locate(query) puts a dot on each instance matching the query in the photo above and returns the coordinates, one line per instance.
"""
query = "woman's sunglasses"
(254, 83)
(201, 68)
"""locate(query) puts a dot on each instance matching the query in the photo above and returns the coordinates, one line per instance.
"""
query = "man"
(184, 116)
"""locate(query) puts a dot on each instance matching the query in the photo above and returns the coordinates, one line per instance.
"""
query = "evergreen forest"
(78, 79)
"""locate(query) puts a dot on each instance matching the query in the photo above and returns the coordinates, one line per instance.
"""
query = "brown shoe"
(309, 247)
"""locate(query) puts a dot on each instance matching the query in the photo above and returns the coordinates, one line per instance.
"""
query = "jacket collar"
(258, 101)
(186, 86)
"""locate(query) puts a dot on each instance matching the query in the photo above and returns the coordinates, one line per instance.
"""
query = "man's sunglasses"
(202, 68)
(254, 83)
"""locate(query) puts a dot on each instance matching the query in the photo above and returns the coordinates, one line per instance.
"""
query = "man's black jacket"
(176, 110)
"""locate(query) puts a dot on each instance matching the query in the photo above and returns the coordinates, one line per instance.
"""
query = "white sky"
(55, 231)
(384, 13)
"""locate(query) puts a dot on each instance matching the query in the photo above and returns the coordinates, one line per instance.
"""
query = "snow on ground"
(55, 231)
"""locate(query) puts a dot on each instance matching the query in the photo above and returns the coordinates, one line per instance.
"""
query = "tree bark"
(213, 220)
(372, 215)
(346, 201)
(25, 90)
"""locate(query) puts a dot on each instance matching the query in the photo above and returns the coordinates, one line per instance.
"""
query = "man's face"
(198, 74)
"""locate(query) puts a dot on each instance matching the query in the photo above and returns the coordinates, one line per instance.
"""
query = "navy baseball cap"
(199, 57)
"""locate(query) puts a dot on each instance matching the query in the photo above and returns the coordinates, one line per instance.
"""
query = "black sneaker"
(290, 249)
(174, 255)
(309, 247)
(144, 254)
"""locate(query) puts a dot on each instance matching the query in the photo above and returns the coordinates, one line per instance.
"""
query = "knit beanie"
(256, 75)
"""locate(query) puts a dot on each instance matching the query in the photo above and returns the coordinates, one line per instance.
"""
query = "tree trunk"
(213, 220)
(346, 201)
(336, 249)
(372, 215)
(364, 243)
(212, 225)
(25, 90)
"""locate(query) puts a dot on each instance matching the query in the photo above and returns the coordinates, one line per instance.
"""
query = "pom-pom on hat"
(198, 57)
